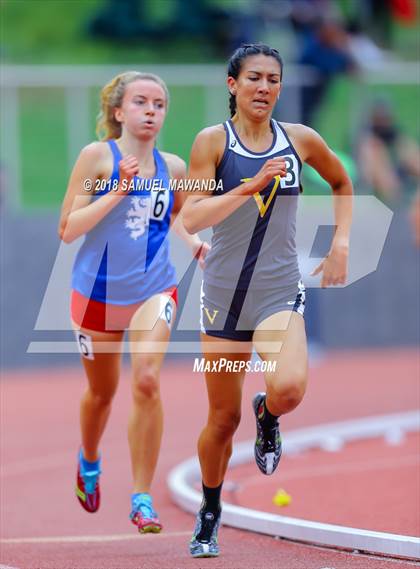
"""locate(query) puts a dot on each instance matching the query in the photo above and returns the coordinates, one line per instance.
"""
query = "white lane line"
(92, 538)
(359, 554)
(8, 567)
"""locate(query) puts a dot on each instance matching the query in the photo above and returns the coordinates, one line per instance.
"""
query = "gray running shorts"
(235, 314)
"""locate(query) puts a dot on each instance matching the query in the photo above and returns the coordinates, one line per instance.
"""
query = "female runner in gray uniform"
(252, 295)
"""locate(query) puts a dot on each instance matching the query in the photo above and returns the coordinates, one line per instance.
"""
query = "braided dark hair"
(235, 64)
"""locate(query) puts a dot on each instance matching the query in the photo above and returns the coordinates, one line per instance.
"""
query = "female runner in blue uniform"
(252, 295)
(123, 277)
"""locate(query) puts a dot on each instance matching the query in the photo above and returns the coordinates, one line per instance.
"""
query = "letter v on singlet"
(263, 207)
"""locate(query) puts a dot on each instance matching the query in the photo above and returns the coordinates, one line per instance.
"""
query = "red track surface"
(349, 487)
(39, 435)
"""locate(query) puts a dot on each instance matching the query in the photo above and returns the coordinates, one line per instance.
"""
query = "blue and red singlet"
(124, 259)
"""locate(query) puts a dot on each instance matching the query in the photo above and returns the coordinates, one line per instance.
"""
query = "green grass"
(56, 31)
(43, 146)
(186, 113)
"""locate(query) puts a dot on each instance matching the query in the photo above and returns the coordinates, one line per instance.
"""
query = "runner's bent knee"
(289, 386)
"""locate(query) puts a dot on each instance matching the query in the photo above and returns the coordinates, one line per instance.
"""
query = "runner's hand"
(334, 267)
(128, 168)
(271, 168)
(200, 253)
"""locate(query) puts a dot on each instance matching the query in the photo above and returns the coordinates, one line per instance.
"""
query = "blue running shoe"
(88, 491)
(267, 449)
(143, 516)
(204, 540)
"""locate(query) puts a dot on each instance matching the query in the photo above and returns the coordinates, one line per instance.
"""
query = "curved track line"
(181, 479)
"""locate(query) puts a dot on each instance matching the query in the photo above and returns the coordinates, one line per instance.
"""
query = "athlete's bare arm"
(206, 153)
(78, 214)
(314, 151)
(178, 171)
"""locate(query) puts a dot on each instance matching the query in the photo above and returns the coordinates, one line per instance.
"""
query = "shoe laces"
(270, 435)
(145, 509)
